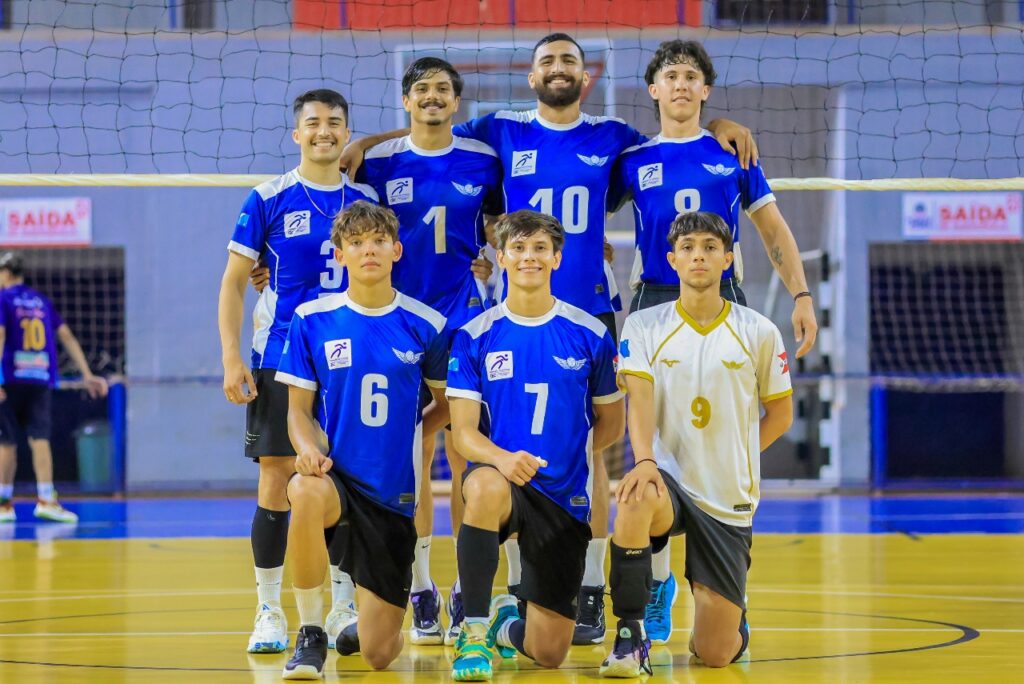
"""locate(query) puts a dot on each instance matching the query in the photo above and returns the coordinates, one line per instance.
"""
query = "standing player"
(363, 356)
(545, 371)
(287, 223)
(439, 186)
(699, 371)
(29, 330)
(685, 170)
(558, 160)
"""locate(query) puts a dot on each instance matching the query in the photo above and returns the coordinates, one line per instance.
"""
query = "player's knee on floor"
(379, 658)
(716, 652)
(549, 655)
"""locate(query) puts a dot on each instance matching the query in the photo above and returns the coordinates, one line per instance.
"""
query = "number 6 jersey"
(709, 384)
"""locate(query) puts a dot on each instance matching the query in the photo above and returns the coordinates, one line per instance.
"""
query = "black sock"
(630, 579)
(269, 537)
(744, 636)
(517, 635)
(478, 561)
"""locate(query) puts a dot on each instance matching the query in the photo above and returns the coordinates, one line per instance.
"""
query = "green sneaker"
(504, 608)
(473, 653)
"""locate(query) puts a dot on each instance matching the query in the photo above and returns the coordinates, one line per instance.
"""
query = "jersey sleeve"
(464, 380)
(755, 191)
(619, 189)
(296, 367)
(481, 128)
(603, 387)
(634, 356)
(435, 361)
(773, 378)
(250, 234)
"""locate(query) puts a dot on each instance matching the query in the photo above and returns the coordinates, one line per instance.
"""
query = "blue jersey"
(366, 366)
(439, 197)
(563, 170)
(538, 379)
(666, 177)
(287, 222)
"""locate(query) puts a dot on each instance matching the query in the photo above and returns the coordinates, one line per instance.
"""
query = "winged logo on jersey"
(670, 362)
(733, 365)
(719, 169)
(570, 363)
(468, 189)
(593, 160)
(409, 357)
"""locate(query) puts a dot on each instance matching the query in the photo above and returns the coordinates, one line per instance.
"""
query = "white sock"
(45, 490)
(421, 566)
(310, 603)
(593, 576)
(268, 585)
(457, 587)
(342, 588)
(7, 491)
(661, 564)
(515, 567)
(502, 637)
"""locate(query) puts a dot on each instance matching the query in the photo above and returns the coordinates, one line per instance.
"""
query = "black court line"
(966, 634)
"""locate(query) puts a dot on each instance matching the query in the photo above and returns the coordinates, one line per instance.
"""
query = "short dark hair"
(524, 223)
(11, 261)
(554, 38)
(680, 52)
(700, 222)
(428, 66)
(331, 98)
(363, 217)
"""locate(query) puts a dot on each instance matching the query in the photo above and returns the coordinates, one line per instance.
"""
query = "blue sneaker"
(658, 615)
(473, 653)
(504, 608)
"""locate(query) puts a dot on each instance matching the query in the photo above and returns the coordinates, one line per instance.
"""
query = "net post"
(879, 435)
(117, 404)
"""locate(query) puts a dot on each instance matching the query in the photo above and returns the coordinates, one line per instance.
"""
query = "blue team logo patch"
(499, 365)
(624, 349)
(296, 223)
(398, 191)
(524, 163)
(338, 353)
(570, 363)
(408, 357)
(719, 169)
(453, 365)
(593, 160)
(469, 190)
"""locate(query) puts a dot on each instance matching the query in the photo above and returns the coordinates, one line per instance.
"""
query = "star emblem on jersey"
(399, 191)
(524, 163)
(649, 176)
(784, 358)
(296, 223)
(719, 169)
(670, 362)
(338, 353)
(499, 365)
(469, 190)
(409, 357)
(733, 365)
(593, 160)
(570, 363)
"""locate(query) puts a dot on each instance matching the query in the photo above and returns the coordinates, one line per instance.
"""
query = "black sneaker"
(310, 655)
(590, 625)
(347, 642)
(630, 656)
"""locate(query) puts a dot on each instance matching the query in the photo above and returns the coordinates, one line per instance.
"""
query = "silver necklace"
(310, 197)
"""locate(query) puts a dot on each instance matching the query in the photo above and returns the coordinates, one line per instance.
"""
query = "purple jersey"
(30, 343)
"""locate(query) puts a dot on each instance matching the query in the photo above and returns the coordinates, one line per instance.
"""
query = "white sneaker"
(342, 615)
(269, 631)
(52, 510)
(7, 513)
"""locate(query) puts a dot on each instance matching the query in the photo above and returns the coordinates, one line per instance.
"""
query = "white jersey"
(709, 384)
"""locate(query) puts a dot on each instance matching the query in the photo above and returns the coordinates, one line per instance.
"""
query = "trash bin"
(92, 442)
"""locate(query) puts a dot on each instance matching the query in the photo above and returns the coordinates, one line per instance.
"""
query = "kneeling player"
(363, 354)
(698, 372)
(545, 371)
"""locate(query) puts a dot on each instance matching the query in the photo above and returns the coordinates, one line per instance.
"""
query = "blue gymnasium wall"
(184, 103)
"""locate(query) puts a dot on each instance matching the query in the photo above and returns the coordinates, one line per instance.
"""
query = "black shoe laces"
(592, 609)
(634, 643)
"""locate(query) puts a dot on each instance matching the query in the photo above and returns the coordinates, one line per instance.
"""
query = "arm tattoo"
(777, 255)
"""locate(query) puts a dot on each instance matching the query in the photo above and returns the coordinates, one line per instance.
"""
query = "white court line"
(875, 594)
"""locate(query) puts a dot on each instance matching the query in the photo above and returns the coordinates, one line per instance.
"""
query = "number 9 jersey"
(709, 384)
(287, 222)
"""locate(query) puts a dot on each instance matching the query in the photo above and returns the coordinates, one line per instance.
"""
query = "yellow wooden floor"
(823, 608)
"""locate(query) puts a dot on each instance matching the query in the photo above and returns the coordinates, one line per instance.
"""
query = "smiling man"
(286, 222)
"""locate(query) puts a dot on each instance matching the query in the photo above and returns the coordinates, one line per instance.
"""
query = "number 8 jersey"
(287, 222)
(366, 366)
(709, 384)
(538, 379)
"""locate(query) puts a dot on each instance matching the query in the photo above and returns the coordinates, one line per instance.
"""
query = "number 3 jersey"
(287, 222)
(709, 384)
(538, 379)
(366, 366)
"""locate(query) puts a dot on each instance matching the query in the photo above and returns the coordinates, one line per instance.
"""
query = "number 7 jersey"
(709, 384)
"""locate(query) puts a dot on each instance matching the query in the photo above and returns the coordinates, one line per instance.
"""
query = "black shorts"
(717, 555)
(378, 545)
(266, 418)
(27, 408)
(649, 294)
(608, 319)
(552, 548)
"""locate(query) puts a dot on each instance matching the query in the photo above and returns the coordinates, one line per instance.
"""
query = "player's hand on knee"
(238, 377)
(805, 325)
(521, 467)
(312, 463)
(609, 252)
(481, 267)
(351, 159)
(259, 276)
(637, 482)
